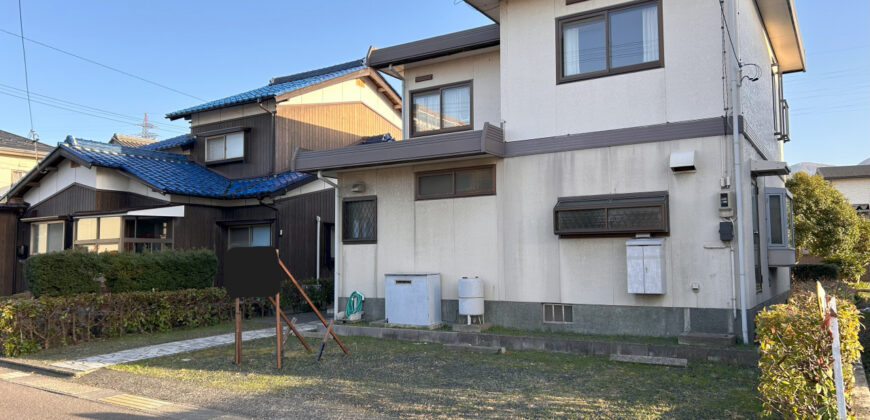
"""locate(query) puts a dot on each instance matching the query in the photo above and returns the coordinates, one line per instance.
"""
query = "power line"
(26, 78)
(82, 112)
(100, 64)
(75, 104)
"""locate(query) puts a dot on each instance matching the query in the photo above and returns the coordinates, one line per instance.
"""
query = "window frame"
(454, 194)
(52, 222)
(440, 90)
(250, 227)
(554, 306)
(786, 221)
(225, 159)
(608, 202)
(605, 14)
(119, 241)
(350, 241)
(165, 243)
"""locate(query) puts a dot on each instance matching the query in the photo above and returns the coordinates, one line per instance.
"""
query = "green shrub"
(72, 272)
(815, 272)
(796, 363)
(29, 325)
(319, 291)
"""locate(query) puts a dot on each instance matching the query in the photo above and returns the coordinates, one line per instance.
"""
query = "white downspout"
(318, 246)
(738, 170)
(337, 266)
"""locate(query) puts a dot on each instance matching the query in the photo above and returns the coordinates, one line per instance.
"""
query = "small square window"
(228, 146)
(360, 220)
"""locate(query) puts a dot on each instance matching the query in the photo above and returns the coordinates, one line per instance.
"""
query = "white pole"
(318, 247)
(738, 170)
(838, 363)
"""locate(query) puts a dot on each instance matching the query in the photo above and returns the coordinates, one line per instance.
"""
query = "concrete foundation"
(597, 319)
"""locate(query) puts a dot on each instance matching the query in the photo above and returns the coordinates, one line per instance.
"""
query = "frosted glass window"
(359, 220)
(461, 182)
(110, 227)
(474, 180)
(235, 145)
(46, 237)
(86, 229)
(215, 148)
(261, 236)
(435, 185)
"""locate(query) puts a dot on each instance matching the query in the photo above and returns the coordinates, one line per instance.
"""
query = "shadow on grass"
(407, 379)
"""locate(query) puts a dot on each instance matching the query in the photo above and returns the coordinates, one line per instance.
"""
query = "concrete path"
(166, 349)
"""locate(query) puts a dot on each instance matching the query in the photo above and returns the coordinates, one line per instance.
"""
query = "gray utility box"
(413, 299)
(645, 261)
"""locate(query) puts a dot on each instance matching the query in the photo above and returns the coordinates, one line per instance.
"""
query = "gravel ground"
(400, 379)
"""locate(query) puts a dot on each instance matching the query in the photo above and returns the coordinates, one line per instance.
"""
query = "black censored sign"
(252, 272)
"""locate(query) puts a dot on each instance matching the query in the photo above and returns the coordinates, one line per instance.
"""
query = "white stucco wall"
(56, 181)
(508, 239)
(112, 179)
(856, 190)
(688, 87)
(482, 69)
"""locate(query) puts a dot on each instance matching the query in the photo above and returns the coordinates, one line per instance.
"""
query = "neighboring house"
(576, 157)
(17, 156)
(129, 141)
(226, 184)
(854, 182)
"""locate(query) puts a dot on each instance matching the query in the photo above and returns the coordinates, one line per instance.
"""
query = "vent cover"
(556, 313)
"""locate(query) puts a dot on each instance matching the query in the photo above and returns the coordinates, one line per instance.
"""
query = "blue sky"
(211, 49)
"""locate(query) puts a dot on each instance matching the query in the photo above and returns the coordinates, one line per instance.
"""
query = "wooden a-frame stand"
(279, 331)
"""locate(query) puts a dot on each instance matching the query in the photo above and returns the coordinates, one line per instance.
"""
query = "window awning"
(768, 168)
(169, 211)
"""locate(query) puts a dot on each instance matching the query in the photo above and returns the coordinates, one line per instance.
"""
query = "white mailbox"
(646, 265)
(413, 299)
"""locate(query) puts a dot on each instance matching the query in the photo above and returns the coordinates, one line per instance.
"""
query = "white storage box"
(413, 299)
(645, 260)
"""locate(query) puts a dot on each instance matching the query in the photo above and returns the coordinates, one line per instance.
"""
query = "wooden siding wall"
(72, 199)
(113, 200)
(8, 258)
(259, 146)
(205, 227)
(325, 126)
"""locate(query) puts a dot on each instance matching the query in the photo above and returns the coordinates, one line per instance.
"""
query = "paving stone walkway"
(175, 347)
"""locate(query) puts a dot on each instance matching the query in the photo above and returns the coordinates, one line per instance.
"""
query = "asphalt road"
(21, 402)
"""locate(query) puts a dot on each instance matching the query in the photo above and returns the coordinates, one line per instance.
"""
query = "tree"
(827, 226)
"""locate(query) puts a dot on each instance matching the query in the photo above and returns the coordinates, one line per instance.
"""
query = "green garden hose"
(354, 304)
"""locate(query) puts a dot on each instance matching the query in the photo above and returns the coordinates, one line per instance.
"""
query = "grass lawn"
(130, 341)
(404, 379)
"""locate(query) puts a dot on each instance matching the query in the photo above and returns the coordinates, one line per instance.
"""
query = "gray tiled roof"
(840, 172)
(14, 141)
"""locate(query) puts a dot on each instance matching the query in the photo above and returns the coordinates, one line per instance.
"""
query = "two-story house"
(17, 156)
(579, 158)
(225, 184)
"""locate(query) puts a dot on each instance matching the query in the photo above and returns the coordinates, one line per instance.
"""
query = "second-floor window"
(225, 146)
(441, 109)
(610, 41)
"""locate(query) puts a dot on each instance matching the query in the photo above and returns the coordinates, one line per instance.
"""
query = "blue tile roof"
(178, 141)
(174, 173)
(277, 86)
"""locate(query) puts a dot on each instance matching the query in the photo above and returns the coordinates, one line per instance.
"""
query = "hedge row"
(73, 271)
(319, 291)
(29, 325)
(796, 363)
(815, 272)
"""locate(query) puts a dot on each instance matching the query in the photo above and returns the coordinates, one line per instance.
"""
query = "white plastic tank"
(470, 296)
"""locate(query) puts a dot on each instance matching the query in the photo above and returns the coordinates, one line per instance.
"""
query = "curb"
(740, 357)
(860, 393)
(163, 409)
(44, 369)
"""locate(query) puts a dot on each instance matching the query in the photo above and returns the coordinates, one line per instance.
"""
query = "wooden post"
(311, 304)
(323, 343)
(238, 358)
(279, 331)
(292, 325)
